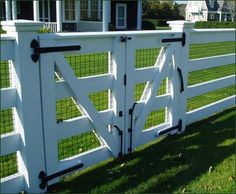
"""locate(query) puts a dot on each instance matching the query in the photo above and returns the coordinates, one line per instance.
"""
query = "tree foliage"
(161, 10)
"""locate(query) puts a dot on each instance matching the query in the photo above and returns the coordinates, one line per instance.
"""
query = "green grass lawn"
(96, 64)
(201, 160)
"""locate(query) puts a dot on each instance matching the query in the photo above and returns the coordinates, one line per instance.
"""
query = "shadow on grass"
(163, 166)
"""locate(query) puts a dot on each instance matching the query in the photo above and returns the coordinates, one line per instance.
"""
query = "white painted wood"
(144, 74)
(10, 143)
(88, 158)
(59, 15)
(151, 134)
(92, 83)
(202, 88)
(205, 111)
(36, 10)
(7, 44)
(150, 91)
(14, 10)
(12, 184)
(105, 16)
(8, 98)
(199, 36)
(160, 102)
(77, 126)
(209, 62)
(27, 114)
(85, 103)
(139, 15)
(8, 9)
(49, 112)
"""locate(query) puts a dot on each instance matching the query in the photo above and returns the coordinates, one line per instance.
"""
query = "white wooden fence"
(120, 128)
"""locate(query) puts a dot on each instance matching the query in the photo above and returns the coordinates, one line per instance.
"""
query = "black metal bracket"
(44, 178)
(120, 133)
(182, 39)
(38, 50)
(125, 38)
(130, 130)
(166, 131)
(181, 80)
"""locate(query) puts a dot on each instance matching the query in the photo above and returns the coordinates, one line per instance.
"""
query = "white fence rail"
(34, 92)
(51, 25)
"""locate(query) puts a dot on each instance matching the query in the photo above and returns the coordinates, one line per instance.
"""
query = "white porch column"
(59, 15)
(139, 15)
(99, 9)
(105, 16)
(14, 10)
(220, 17)
(36, 10)
(8, 9)
(89, 9)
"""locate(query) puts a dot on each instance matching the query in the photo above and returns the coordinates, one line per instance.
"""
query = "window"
(69, 10)
(121, 16)
(212, 3)
(90, 10)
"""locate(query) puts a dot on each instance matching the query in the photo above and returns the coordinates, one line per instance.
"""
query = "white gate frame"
(25, 94)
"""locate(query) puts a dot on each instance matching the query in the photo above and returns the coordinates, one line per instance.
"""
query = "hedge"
(214, 24)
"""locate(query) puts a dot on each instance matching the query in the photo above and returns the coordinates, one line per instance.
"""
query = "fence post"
(28, 115)
(182, 58)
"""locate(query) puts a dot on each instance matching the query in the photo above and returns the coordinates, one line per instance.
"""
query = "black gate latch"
(182, 39)
(38, 50)
(44, 178)
(165, 131)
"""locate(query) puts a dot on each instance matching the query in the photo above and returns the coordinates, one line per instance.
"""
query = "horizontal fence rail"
(119, 75)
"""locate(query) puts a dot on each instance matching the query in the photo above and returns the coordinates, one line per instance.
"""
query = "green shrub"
(148, 25)
(44, 30)
(214, 24)
(2, 31)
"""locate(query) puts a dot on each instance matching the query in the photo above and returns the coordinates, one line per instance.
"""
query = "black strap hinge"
(182, 39)
(125, 38)
(45, 178)
(166, 131)
(37, 50)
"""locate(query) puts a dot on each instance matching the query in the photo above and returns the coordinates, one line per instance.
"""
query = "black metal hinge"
(130, 130)
(45, 178)
(125, 38)
(182, 39)
(166, 131)
(125, 80)
(38, 50)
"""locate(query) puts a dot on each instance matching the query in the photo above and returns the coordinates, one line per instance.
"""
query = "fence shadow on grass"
(163, 166)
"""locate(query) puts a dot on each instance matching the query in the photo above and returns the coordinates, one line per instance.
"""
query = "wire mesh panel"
(138, 90)
(164, 87)
(99, 99)
(77, 144)
(5, 74)
(196, 77)
(66, 109)
(89, 64)
(156, 117)
(8, 165)
(210, 97)
(211, 49)
(146, 57)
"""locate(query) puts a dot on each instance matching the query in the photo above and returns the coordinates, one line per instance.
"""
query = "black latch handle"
(181, 80)
(44, 178)
(130, 130)
(120, 133)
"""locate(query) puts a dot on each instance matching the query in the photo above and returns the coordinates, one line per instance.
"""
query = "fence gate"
(104, 101)
(155, 100)
(82, 101)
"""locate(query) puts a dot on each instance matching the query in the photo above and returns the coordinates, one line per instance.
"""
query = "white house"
(77, 15)
(208, 10)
